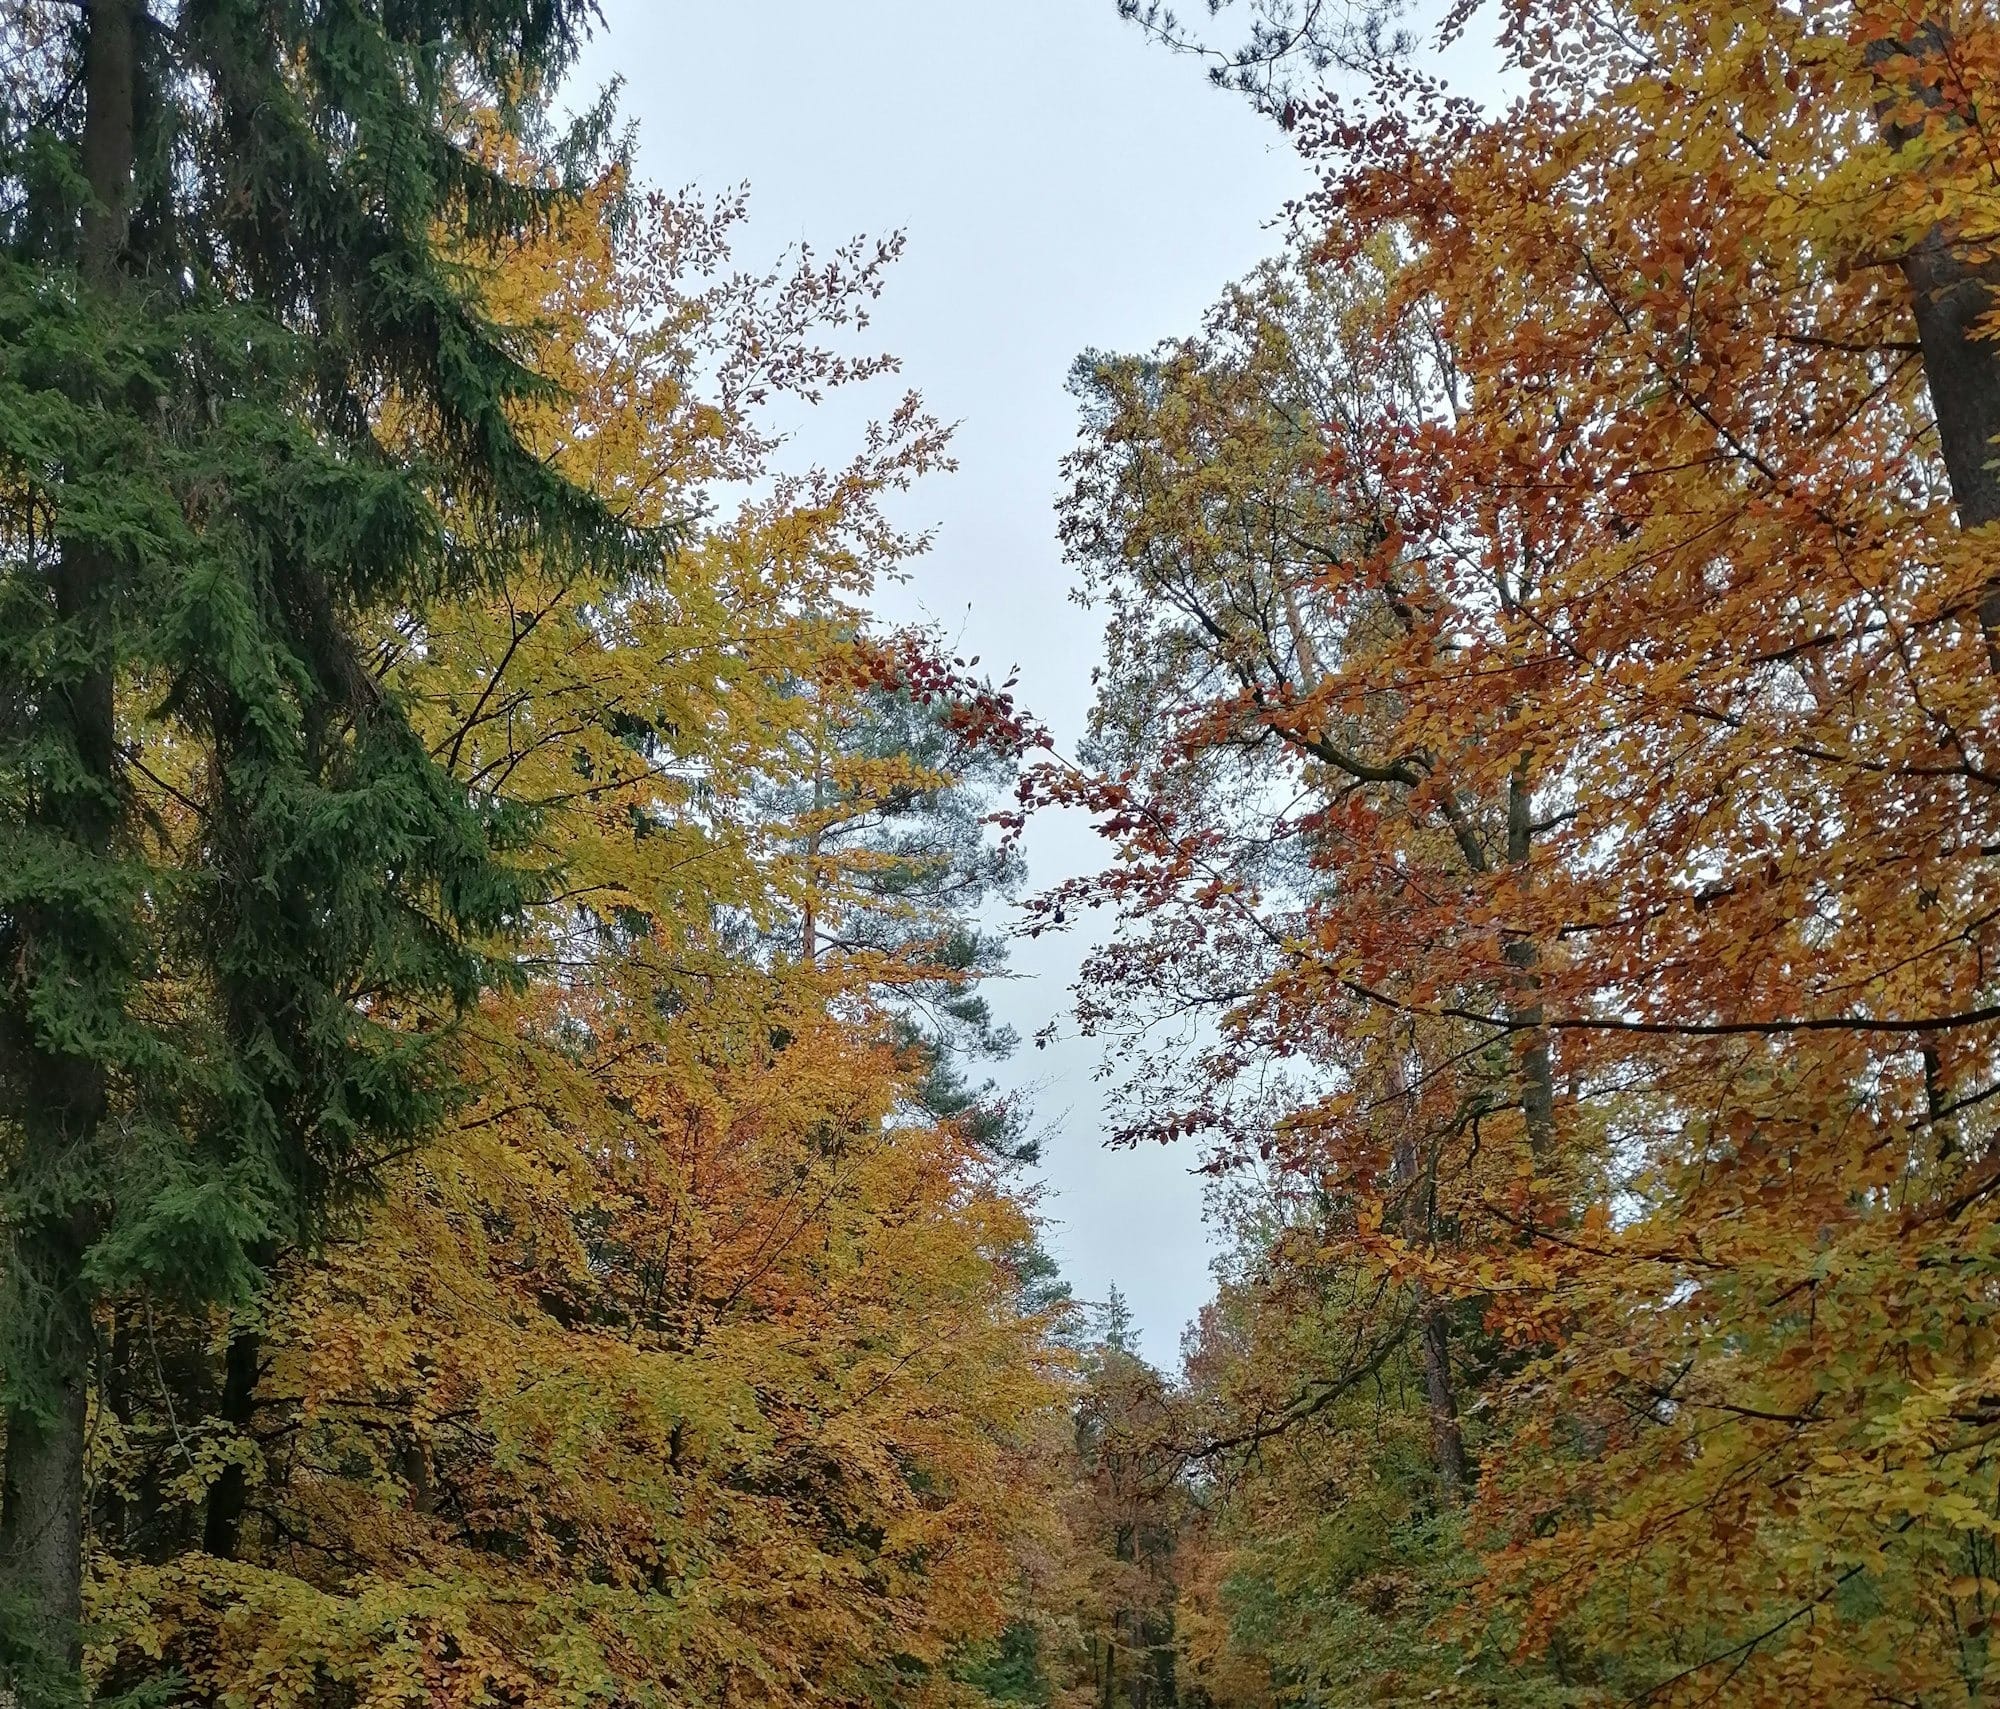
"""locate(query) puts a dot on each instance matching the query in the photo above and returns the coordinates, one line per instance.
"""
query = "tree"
(1333, 1539)
(695, 1359)
(227, 268)
(1641, 783)
(729, 1402)
(890, 805)
(1126, 1518)
(1289, 43)
(1202, 513)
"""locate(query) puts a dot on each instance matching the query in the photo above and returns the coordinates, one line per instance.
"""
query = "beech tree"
(1640, 884)
(697, 1354)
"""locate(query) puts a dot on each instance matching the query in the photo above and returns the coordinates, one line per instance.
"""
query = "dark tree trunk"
(1950, 296)
(41, 1501)
(42, 1490)
(1433, 1333)
(222, 1525)
(1950, 292)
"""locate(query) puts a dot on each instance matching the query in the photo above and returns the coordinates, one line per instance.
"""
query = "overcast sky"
(1064, 186)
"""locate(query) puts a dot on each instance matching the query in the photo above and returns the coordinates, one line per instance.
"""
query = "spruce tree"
(249, 404)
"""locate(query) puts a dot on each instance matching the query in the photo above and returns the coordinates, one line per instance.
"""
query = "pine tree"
(249, 403)
(889, 808)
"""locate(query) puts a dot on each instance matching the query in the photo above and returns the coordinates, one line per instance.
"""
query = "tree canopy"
(1550, 666)
(501, 1197)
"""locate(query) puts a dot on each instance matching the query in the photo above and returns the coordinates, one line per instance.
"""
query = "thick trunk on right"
(42, 1517)
(1951, 291)
(1950, 296)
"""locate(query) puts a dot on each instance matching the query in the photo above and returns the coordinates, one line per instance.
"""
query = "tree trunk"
(1447, 1437)
(41, 1506)
(1538, 1084)
(1433, 1334)
(1949, 294)
(222, 1524)
(42, 1487)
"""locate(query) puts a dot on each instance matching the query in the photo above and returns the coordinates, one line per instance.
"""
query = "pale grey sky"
(1063, 186)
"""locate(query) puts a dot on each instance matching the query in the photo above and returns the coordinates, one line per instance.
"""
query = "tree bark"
(1949, 294)
(1447, 1436)
(1538, 1084)
(42, 1498)
(1433, 1333)
(222, 1523)
(42, 1503)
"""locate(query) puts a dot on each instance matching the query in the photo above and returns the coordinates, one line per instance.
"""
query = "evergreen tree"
(891, 811)
(249, 404)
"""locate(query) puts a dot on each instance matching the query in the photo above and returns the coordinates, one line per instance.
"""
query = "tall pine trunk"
(42, 1491)
(222, 1522)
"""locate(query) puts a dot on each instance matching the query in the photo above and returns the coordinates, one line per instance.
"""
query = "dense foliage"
(496, 1208)
(499, 1204)
(226, 267)
(1546, 732)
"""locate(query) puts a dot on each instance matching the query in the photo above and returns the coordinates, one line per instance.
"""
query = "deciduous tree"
(1636, 779)
(696, 1359)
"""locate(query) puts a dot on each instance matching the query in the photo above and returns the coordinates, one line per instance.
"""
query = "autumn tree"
(1202, 514)
(698, 1358)
(1129, 1513)
(1637, 778)
(1099, 1629)
(1332, 1540)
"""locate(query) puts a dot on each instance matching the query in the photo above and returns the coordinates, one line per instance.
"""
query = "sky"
(1063, 186)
